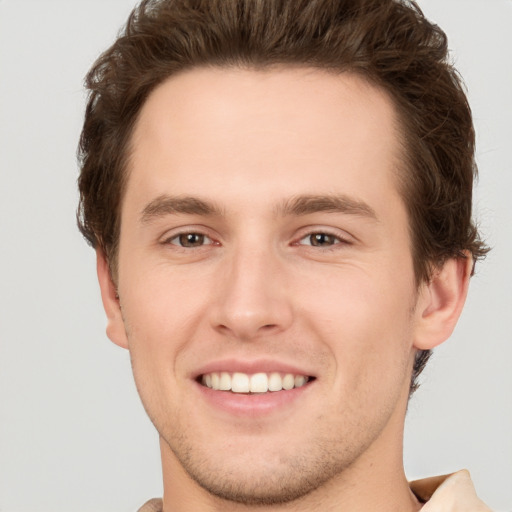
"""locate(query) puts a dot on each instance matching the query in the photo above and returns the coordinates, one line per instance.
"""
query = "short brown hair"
(388, 42)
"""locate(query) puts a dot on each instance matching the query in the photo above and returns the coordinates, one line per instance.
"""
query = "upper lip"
(251, 366)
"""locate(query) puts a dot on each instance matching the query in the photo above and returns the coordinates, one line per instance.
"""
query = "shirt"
(446, 493)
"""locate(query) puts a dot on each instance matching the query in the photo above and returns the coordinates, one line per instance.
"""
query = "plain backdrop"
(73, 435)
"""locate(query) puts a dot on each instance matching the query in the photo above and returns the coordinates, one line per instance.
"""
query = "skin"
(253, 288)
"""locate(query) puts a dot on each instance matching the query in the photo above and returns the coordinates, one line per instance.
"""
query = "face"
(264, 244)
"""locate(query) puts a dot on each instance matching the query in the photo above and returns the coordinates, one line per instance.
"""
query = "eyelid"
(206, 239)
(187, 230)
(343, 237)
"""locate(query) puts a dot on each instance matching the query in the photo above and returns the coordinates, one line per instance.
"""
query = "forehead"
(280, 129)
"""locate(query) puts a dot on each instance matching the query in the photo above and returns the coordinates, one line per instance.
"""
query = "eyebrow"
(167, 205)
(296, 206)
(308, 204)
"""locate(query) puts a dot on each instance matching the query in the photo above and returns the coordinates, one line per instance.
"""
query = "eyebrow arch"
(299, 205)
(168, 205)
(308, 204)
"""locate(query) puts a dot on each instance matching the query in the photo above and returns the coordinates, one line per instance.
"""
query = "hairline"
(403, 161)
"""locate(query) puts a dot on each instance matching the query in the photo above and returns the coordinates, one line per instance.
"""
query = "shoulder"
(154, 505)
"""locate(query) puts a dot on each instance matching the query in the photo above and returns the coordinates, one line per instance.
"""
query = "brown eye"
(190, 240)
(321, 239)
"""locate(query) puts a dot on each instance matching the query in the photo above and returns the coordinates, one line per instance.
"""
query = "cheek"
(159, 303)
(365, 321)
(157, 331)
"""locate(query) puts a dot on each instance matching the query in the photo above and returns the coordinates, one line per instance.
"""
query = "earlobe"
(440, 302)
(115, 325)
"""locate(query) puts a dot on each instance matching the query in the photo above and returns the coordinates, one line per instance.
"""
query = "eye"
(321, 240)
(190, 240)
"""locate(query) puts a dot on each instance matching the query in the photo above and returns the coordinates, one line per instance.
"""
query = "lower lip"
(255, 404)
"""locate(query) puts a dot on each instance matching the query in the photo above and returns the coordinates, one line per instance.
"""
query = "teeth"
(255, 383)
(259, 383)
(240, 383)
(275, 382)
(288, 381)
(225, 381)
(300, 380)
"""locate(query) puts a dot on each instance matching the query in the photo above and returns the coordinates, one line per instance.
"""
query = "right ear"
(115, 325)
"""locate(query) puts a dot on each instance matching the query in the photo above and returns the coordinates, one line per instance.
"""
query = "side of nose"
(253, 298)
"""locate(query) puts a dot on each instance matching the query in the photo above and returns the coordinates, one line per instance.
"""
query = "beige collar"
(448, 493)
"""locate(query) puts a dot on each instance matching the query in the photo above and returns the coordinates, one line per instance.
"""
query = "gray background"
(73, 435)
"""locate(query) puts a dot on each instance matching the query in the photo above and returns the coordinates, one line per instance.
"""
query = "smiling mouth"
(238, 382)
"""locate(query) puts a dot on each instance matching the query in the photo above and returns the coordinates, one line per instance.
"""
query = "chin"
(262, 478)
(272, 488)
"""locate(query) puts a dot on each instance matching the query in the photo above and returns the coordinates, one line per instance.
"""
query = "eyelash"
(334, 239)
(179, 237)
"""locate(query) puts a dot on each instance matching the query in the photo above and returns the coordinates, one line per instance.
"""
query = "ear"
(440, 302)
(115, 325)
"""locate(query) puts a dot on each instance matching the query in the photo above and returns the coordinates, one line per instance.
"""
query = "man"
(279, 195)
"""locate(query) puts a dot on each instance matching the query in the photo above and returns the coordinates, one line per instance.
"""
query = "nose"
(253, 299)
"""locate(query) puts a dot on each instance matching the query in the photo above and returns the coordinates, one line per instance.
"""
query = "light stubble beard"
(267, 483)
